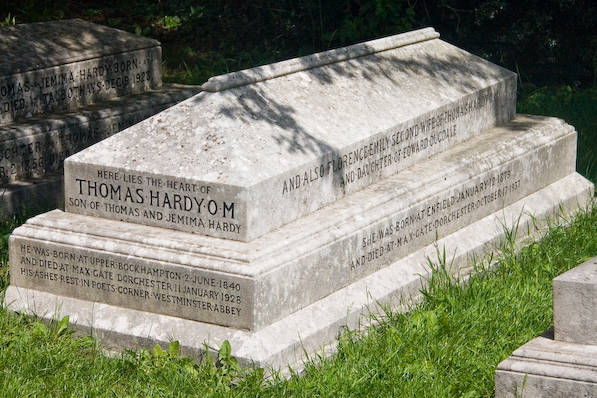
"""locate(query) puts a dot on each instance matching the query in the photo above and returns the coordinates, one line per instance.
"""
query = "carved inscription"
(70, 85)
(391, 148)
(436, 218)
(43, 153)
(152, 200)
(141, 285)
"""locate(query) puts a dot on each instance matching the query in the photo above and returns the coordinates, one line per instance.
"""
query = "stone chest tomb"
(284, 202)
(67, 85)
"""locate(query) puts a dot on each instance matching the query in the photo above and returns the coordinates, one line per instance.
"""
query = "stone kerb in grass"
(259, 213)
(562, 362)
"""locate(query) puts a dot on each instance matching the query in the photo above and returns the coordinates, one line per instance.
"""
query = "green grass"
(7, 224)
(451, 344)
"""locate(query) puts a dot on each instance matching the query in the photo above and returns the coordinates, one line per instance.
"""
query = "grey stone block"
(259, 282)
(316, 326)
(34, 195)
(575, 304)
(547, 368)
(303, 134)
(63, 65)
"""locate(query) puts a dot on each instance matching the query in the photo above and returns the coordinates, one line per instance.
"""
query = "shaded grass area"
(448, 346)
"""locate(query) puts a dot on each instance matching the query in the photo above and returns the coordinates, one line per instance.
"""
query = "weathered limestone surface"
(250, 285)
(317, 325)
(547, 368)
(303, 134)
(62, 65)
(72, 84)
(575, 304)
(34, 148)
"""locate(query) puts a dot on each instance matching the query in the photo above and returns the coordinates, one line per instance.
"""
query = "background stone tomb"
(73, 84)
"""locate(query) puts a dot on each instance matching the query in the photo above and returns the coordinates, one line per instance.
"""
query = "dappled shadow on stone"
(525, 122)
(63, 65)
(36, 45)
(254, 102)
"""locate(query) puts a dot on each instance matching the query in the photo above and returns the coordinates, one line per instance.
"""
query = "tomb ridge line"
(287, 67)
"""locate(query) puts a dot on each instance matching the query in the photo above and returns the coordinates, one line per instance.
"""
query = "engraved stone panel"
(154, 286)
(253, 157)
(63, 65)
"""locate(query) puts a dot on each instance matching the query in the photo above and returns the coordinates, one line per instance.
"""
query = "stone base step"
(32, 151)
(547, 368)
(316, 326)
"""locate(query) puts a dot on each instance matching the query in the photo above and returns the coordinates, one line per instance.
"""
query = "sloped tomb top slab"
(288, 141)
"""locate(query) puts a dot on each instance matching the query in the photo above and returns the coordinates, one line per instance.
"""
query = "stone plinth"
(63, 65)
(547, 368)
(575, 304)
(252, 284)
(282, 141)
(317, 325)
